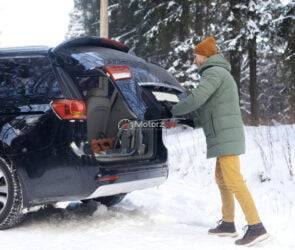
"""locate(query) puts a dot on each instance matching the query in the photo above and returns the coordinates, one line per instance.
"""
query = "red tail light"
(69, 109)
(118, 72)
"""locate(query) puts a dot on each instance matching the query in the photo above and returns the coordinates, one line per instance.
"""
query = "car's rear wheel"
(11, 198)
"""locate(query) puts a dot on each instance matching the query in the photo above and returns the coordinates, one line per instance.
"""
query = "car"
(81, 121)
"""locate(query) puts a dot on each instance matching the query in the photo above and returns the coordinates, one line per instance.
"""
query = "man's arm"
(209, 84)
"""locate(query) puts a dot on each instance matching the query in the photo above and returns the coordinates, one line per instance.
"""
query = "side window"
(47, 85)
(27, 77)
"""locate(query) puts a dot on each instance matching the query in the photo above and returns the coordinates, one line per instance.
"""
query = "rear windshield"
(88, 61)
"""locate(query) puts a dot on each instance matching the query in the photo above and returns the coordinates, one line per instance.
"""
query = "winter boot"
(224, 229)
(254, 234)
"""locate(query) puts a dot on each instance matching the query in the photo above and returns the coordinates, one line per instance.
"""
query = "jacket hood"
(216, 60)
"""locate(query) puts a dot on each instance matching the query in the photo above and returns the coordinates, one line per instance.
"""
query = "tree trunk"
(198, 22)
(235, 53)
(104, 20)
(291, 66)
(235, 58)
(184, 31)
(253, 88)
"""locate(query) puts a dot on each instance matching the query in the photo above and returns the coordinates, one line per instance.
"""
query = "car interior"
(105, 109)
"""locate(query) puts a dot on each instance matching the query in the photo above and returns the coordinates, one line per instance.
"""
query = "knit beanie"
(207, 47)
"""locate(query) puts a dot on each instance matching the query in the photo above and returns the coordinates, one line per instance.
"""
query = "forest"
(256, 36)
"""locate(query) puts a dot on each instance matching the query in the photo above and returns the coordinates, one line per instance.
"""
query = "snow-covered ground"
(178, 214)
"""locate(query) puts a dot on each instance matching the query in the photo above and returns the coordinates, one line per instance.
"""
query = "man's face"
(199, 59)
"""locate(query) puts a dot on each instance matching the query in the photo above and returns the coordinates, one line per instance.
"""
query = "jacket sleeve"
(210, 82)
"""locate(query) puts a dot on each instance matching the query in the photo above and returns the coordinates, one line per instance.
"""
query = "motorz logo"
(129, 124)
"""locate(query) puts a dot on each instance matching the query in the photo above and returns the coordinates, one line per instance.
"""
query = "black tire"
(11, 197)
(110, 201)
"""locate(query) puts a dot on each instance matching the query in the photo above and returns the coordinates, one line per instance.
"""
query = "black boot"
(224, 229)
(255, 233)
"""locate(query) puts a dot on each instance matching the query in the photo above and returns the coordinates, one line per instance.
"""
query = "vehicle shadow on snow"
(82, 212)
(50, 212)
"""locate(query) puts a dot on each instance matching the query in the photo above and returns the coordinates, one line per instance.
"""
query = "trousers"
(232, 185)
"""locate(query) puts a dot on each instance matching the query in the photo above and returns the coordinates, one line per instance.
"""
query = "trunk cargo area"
(117, 109)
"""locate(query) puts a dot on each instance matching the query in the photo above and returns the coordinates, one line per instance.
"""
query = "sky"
(33, 22)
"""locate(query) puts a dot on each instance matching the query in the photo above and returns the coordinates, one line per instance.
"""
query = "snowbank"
(178, 214)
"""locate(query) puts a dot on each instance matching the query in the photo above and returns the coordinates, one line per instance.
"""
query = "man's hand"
(187, 122)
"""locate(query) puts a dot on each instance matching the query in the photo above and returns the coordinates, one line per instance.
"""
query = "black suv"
(80, 121)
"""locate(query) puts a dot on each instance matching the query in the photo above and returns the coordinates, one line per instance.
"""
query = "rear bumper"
(130, 179)
(126, 187)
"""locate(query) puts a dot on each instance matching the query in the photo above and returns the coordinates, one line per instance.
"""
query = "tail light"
(67, 109)
(118, 72)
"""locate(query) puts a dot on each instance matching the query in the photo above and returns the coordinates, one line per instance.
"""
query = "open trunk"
(113, 130)
(122, 114)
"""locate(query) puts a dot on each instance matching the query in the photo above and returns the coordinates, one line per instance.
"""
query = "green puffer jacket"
(214, 106)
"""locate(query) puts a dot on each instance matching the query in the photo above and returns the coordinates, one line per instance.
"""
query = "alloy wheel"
(3, 191)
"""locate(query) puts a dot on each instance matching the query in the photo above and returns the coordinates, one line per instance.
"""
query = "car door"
(32, 134)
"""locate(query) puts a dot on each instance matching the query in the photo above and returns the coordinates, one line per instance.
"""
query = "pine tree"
(84, 19)
(287, 32)
(234, 37)
(256, 36)
(76, 27)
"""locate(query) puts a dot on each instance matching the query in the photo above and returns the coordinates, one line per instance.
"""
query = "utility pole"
(104, 19)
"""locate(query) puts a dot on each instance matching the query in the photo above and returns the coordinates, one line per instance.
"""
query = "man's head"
(205, 49)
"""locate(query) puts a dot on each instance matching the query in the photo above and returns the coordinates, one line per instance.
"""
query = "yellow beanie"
(207, 47)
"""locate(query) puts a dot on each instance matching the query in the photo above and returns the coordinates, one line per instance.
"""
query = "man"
(214, 106)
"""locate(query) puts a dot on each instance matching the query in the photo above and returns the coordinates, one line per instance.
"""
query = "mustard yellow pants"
(231, 184)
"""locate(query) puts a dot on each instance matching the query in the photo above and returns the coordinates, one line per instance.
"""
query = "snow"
(177, 214)
(150, 34)
(171, 3)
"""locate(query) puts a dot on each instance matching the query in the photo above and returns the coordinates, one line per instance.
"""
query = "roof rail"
(91, 41)
(23, 50)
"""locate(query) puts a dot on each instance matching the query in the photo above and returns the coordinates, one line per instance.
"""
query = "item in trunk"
(101, 145)
(98, 108)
